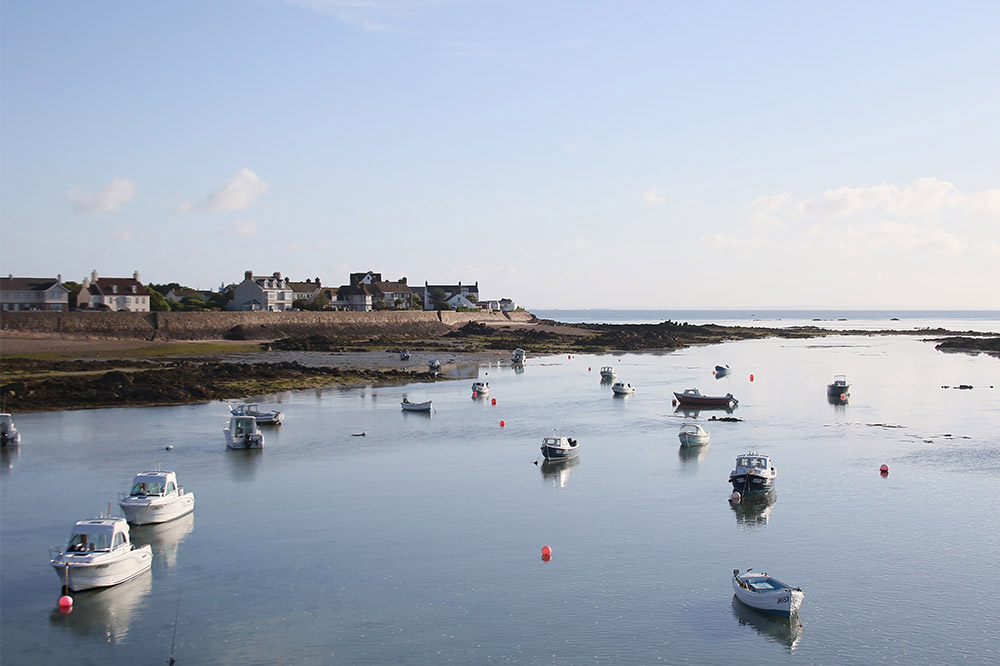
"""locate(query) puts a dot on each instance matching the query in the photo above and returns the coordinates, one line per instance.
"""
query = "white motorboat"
(272, 417)
(692, 434)
(559, 448)
(416, 406)
(9, 436)
(839, 387)
(434, 365)
(99, 554)
(242, 433)
(480, 389)
(607, 373)
(753, 474)
(766, 593)
(404, 355)
(623, 388)
(155, 497)
(517, 356)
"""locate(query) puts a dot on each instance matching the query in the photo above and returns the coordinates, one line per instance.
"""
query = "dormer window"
(114, 289)
(135, 289)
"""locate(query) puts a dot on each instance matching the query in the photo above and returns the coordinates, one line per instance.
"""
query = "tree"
(321, 302)
(220, 300)
(74, 292)
(157, 302)
(439, 297)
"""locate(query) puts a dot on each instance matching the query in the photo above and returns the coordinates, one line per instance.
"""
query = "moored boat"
(155, 497)
(99, 554)
(416, 406)
(839, 387)
(480, 389)
(559, 448)
(692, 434)
(721, 370)
(404, 355)
(517, 356)
(753, 474)
(693, 397)
(623, 388)
(607, 373)
(434, 365)
(766, 593)
(242, 433)
(9, 435)
(272, 417)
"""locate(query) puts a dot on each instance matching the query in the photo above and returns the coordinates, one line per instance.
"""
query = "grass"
(160, 350)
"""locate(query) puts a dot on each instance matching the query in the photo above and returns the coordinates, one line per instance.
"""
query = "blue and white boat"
(480, 389)
(517, 356)
(559, 448)
(766, 593)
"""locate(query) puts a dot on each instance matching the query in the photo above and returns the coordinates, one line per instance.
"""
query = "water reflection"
(838, 399)
(518, 369)
(693, 454)
(557, 471)
(243, 463)
(693, 412)
(8, 456)
(755, 510)
(164, 539)
(784, 630)
(107, 612)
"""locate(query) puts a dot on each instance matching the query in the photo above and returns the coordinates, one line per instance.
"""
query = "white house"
(19, 293)
(114, 293)
(455, 295)
(258, 292)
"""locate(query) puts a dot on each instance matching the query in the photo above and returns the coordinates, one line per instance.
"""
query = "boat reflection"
(838, 399)
(518, 369)
(557, 471)
(692, 454)
(164, 538)
(755, 510)
(693, 412)
(108, 611)
(784, 630)
(243, 463)
(8, 456)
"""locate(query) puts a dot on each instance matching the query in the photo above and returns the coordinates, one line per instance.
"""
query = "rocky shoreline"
(42, 373)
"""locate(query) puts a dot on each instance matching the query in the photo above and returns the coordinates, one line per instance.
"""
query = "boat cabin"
(749, 461)
(6, 423)
(157, 484)
(241, 426)
(99, 535)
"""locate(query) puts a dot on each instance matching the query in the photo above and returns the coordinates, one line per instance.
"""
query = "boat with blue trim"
(766, 593)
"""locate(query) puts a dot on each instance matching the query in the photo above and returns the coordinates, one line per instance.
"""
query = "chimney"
(403, 279)
(135, 276)
(277, 275)
(93, 275)
(86, 284)
(248, 275)
(317, 282)
(58, 278)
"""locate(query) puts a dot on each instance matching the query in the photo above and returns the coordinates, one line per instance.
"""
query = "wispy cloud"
(654, 197)
(926, 197)
(121, 233)
(244, 227)
(238, 193)
(108, 199)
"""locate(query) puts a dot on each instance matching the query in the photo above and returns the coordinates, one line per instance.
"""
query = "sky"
(564, 154)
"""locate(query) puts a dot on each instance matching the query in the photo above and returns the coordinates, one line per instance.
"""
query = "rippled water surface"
(420, 542)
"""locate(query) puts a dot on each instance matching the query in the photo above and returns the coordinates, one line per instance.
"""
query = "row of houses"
(274, 292)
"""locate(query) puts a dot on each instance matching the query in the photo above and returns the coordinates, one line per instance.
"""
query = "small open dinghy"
(416, 406)
(765, 593)
(99, 554)
(692, 434)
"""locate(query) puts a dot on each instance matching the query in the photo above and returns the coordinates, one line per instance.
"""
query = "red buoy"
(751, 377)
(546, 550)
(843, 396)
(502, 424)
(494, 401)
(884, 469)
(65, 601)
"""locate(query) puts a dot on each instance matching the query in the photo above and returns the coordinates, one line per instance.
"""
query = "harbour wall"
(404, 324)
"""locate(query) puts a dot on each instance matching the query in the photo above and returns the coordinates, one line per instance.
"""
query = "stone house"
(116, 294)
(22, 293)
(272, 293)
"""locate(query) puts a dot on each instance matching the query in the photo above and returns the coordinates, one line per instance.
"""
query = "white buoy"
(170, 447)
(735, 497)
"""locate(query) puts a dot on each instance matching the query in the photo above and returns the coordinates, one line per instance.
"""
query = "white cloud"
(244, 227)
(764, 211)
(121, 233)
(654, 197)
(926, 197)
(106, 200)
(888, 237)
(238, 193)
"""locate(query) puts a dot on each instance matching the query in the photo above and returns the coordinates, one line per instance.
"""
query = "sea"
(362, 534)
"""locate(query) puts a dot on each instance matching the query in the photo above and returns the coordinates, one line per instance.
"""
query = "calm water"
(420, 542)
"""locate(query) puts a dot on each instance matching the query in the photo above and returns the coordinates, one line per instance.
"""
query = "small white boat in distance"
(517, 356)
(404, 355)
(434, 365)
(242, 433)
(99, 554)
(692, 434)
(622, 388)
(767, 594)
(607, 372)
(273, 417)
(559, 448)
(840, 386)
(416, 406)
(9, 436)
(155, 497)
(480, 389)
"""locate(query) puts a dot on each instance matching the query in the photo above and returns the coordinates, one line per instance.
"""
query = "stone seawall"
(406, 324)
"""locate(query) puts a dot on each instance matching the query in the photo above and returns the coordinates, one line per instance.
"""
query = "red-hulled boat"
(693, 398)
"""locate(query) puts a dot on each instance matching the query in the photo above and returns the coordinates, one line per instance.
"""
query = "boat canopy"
(98, 534)
(6, 422)
(243, 425)
(154, 483)
(750, 460)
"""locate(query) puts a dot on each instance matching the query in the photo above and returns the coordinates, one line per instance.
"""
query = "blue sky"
(563, 154)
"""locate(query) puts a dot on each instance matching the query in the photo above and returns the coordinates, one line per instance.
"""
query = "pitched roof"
(106, 286)
(392, 287)
(28, 284)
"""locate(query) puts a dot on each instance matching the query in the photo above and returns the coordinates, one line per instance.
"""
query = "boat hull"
(693, 439)
(417, 406)
(88, 571)
(145, 511)
(555, 453)
(751, 484)
(704, 401)
(783, 602)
